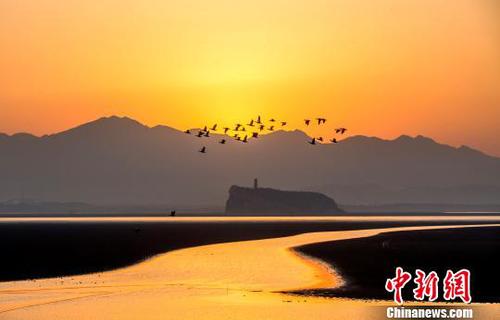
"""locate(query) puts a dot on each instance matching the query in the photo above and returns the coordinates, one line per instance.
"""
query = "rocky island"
(259, 201)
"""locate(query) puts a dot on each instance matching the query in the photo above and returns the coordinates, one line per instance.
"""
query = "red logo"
(397, 283)
(455, 285)
(427, 286)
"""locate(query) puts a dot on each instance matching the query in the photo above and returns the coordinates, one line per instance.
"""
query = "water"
(237, 280)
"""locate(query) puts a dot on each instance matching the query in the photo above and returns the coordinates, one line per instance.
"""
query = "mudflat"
(50, 247)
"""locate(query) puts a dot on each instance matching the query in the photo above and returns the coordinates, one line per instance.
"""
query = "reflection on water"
(250, 218)
(222, 281)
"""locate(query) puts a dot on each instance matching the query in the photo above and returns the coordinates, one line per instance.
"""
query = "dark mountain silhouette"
(119, 161)
(278, 202)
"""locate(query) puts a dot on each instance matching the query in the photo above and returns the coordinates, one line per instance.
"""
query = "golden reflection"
(236, 280)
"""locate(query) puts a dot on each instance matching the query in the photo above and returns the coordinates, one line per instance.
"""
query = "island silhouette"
(268, 201)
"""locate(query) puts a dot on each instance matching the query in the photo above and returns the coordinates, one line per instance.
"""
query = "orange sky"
(381, 68)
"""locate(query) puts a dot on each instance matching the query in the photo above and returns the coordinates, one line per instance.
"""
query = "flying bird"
(254, 133)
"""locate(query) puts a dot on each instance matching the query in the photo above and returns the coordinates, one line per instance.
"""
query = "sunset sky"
(380, 68)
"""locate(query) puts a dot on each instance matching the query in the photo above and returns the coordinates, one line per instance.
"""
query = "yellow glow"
(242, 280)
(381, 68)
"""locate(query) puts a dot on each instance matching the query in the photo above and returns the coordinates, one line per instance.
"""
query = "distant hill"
(119, 161)
(267, 201)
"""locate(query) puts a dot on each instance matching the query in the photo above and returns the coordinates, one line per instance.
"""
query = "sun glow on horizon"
(379, 68)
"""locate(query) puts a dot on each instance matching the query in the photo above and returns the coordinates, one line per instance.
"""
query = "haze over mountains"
(118, 161)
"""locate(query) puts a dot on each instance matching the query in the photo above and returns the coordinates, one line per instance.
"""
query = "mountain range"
(119, 161)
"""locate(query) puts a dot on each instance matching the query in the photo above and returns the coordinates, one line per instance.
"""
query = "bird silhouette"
(321, 120)
(254, 133)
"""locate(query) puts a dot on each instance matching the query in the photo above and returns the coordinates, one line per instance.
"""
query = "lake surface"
(240, 280)
(140, 218)
(69, 246)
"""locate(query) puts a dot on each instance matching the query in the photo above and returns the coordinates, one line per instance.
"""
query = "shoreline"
(243, 275)
(376, 256)
(64, 247)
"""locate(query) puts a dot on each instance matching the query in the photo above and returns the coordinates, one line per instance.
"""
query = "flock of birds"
(243, 132)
